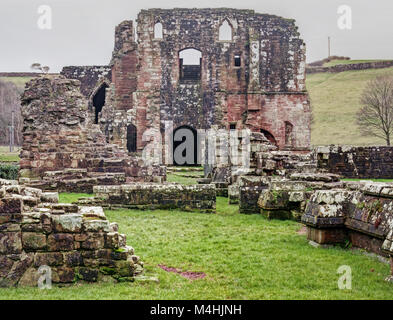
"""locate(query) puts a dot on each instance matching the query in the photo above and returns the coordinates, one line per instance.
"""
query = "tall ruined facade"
(248, 72)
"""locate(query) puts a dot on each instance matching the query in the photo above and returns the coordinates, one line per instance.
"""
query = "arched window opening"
(225, 32)
(158, 33)
(131, 138)
(185, 146)
(190, 64)
(99, 101)
(269, 137)
(288, 133)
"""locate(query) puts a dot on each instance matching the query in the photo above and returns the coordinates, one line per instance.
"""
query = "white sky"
(83, 30)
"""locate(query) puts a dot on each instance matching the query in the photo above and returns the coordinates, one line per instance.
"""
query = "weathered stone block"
(10, 206)
(33, 241)
(94, 241)
(48, 259)
(67, 223)
(61, 242)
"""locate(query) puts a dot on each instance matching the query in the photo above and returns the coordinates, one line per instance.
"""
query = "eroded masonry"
(200, 68)
(84, 131)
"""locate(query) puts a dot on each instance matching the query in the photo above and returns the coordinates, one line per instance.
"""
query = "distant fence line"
(350, 67)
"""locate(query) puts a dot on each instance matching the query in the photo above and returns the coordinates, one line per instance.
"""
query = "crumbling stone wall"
(200, 198)
(89, 76)
(76, 243)
(265, 92)
(60, 144)
(373, 162)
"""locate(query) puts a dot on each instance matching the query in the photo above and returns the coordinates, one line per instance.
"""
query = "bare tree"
(375, 117)
(39, 67)
(9, 102)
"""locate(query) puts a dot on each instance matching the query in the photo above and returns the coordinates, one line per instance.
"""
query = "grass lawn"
(335, 102)
(18, 81)
(243, 257)
(6, 156)
(178, 178)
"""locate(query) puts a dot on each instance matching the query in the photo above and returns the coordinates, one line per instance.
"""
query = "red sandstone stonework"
(266, 92)
(62, 150)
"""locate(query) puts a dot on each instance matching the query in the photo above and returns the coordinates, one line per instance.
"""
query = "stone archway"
(98, 100)
(269, 137)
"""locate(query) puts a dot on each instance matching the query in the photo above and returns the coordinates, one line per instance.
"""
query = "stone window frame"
(232, 33)
(154, 30)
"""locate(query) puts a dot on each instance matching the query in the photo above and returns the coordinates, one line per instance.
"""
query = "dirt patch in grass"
(186, 274)
(302, 231)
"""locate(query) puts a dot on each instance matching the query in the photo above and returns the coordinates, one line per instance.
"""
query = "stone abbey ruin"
(84, 131)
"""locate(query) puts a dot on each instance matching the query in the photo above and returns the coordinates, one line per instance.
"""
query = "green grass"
(183, 180)
(18, 81)
(335, 102)
(72, 197)
(6, 156)
(337, 62)
(243, 256)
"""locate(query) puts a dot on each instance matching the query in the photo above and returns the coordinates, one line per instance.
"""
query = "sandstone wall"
(266, 92)
(89, 76)
(60, 143)
(76, 243)
(200, 198)
(356, 162)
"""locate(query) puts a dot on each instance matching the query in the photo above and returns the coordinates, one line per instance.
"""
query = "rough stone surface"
(153, 196)
(62, 150)
(356, 162)
(61, 236)
(266, 92)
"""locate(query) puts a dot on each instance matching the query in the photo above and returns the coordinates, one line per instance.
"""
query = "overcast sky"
(83, 30)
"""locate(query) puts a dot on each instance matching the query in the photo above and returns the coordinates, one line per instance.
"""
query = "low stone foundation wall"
(356, 162)
(155, 196)
(74, 243)
(361, 214)
(250, 188)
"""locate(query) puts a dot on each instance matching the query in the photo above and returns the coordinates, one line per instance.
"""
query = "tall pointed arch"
(225, 32)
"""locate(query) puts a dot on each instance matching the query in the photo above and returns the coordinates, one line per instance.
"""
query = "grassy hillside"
(18, 81)
(335, 101)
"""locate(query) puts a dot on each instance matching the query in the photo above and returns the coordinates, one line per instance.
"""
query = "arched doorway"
(131, 138)
(269, 136)
(190, 64)
(185, 146)
(99, 101)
